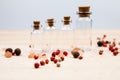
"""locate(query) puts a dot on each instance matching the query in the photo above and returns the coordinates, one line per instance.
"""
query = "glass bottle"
(83, 31)
(36, 37)
(50, 35)
(65, 36)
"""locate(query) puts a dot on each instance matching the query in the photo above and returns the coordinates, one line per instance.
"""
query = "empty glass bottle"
(83, 30)
(36, 37)
(50, 35)
(65, 36)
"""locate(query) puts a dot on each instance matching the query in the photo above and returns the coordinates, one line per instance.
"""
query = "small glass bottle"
(50, 35)
(83, 31)
(36, 37)
(65, 36)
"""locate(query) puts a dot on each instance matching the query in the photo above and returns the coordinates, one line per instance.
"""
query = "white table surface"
(92, 67)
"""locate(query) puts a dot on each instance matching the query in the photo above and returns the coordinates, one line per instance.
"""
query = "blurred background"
(19, 14)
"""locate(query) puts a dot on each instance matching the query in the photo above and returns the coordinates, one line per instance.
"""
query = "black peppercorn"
(9, 49)
(100, 43)
(76, 54)
(17, 51)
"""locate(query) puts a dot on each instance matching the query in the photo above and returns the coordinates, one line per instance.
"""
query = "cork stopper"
(36, 25)
(66, 20)
(84, 9)
(50, 22)
(84, 14)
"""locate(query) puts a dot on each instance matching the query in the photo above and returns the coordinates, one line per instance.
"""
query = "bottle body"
(36, 37)
(65, 36)
(83, 32)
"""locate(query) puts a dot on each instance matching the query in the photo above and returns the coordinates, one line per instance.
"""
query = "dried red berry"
(52, 58)
(65, 53)
(53, 54)
(115, 53)
(80, 57)
(42, 63)
(46, 61)
(101, 52)
(57, 52)
(55, 61)
(36, 65)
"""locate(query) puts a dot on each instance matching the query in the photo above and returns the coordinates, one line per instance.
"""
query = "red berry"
(36, 65)
(115, 53)
(36, 56)
(80, 57)
(65, 53)
(110, 47)
(53, 54)
(100, 52)
(42, 63)
(57, 52)
(46, 61)
(116, 48)
(52, 58)
(104, 44)
(113, 49)
(55, 61)
(43, 54)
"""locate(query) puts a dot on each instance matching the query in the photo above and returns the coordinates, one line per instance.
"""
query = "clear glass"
(83, 32)
(50, 28)
(50, 36)
(65, 36)
(66, 27)
(36, 37)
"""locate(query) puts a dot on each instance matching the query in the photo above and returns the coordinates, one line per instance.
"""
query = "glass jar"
(50, 35)
(36, 37)
(65, 36)
(83, 30)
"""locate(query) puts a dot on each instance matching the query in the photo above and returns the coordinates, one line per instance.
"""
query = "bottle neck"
(84, 19)
(36, 27)
(50, 24)
(50, 28)
(66, 27)
(66, 22)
